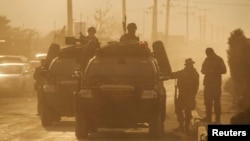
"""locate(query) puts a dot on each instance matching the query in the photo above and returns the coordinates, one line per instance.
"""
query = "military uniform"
(188, 84)
(213, 67)
(39, 80)
(130, 36)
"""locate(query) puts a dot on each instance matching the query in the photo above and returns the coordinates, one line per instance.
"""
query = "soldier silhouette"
(130, 35)
(39, 80)
(212, 68)
(187, 84)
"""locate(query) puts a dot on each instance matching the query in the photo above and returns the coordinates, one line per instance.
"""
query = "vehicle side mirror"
(70, 40)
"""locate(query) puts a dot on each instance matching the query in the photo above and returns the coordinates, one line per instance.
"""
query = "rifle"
(124, 23)
(175, 96)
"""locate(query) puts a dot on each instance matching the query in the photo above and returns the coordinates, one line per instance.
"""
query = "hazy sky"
(221, 15)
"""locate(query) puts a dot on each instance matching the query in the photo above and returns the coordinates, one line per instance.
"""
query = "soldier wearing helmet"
(91, 34)
(130, 35)
(90, 37)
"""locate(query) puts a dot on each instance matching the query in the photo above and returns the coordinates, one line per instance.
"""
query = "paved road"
(19, 122)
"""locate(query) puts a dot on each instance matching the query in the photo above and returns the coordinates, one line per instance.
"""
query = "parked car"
(122, 87)
(15, 59)
(15, 78)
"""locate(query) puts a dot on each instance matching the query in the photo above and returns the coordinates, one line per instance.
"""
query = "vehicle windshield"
(132, 68)
(10, 69)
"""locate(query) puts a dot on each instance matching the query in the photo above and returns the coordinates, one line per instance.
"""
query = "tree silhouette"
(106, 24)
(17, 41)
(238, 60)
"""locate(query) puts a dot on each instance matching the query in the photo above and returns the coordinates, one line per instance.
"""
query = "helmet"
(91, 29)
(131, 26)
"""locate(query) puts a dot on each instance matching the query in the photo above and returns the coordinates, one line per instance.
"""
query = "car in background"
(13, 59)
(37, 60)
(15, 78)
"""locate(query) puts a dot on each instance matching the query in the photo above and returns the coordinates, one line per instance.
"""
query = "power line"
(218, 3)
(222, 4)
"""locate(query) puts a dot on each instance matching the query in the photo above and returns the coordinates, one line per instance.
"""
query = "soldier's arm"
(203, 67)
(175, 75)
(196, 83)
(122, 38)
(223, 69)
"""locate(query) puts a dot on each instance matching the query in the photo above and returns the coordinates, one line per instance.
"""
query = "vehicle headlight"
(86, 93)
(49, 88)
(148, 94)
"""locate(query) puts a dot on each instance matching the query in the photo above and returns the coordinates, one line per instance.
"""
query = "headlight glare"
(149, 94)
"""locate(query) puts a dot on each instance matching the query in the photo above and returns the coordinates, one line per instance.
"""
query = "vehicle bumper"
(119, 113)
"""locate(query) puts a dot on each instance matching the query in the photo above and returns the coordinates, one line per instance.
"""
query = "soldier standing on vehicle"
(212, 68)
(90, 37)
(130, 35)
(92, 45)
(39, 79)
(187, 84)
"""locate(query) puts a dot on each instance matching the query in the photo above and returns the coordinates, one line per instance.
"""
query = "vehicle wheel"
(161, 57)
(81, 130)
(46, 116)
(156, 127)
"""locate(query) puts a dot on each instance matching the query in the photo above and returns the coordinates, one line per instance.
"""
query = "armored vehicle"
(122, 87)
(58, 97)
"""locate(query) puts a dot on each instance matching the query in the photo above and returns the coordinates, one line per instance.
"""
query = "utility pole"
(167, 21)
(201, 30)
(70, 18)
(154, 22)
(54, 32)
(187, 24)
(204, 23)
(123, 8)
(124, 17)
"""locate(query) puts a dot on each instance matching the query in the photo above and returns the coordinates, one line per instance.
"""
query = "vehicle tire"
(161, 57)
(81, 129)
(46, 116)
(156, 127)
